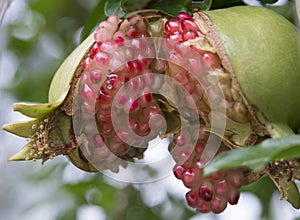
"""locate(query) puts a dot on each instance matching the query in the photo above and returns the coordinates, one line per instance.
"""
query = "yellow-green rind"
(262, 47)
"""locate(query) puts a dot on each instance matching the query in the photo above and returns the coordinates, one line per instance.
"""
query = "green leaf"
(135, 5)
(202, 5)
(255, 157)
(114, 7)
(170, 7)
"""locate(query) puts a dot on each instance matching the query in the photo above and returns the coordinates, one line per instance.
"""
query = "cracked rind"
(244, 35)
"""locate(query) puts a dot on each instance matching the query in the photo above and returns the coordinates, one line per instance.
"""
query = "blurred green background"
(35, 37)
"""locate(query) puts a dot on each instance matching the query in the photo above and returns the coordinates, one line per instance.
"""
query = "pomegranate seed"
(123, 136)
(204, 207)
(98, 140)
(95, 49)
(189, 177)
(175, 37)
(217, 176)
(189, 25)
(233, 197)
(144, 129)
(87, 63)
(104, 117)
(132, 33)
(113, 80)
(183, 15)
(189, 35)
(107, 128)
(87, 108)
(134, 105)
(206, 192)
(235, 178)
(108, 46)
(134, 125)
(96, 76)
(192, 199)
(121, 99)
(212, 60)
(172, 25)
(218, 205)
(137, 67)
(88, 93)
(222, 188)
(104, 97)
(101, 153)
(181, 140)
(178, 171)
(119, 40)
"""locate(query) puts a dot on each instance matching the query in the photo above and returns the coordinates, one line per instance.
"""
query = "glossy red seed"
(132, 33)
(192, 198)
(95, 49)
(206, 192)
(178, 171)
(119, 40)
(183, 15)
(87, 63)
(102, 58)
(137, 67)
(175, 37)
(134, 105)
(233, 197)
(189, 35)
(189, 25)
(189, 177)
(113, 80)
(172, 25)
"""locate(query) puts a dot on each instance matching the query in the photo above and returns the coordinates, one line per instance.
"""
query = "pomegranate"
(226, 59)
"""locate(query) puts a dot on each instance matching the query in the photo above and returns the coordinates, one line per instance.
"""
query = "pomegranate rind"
(262, 53)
